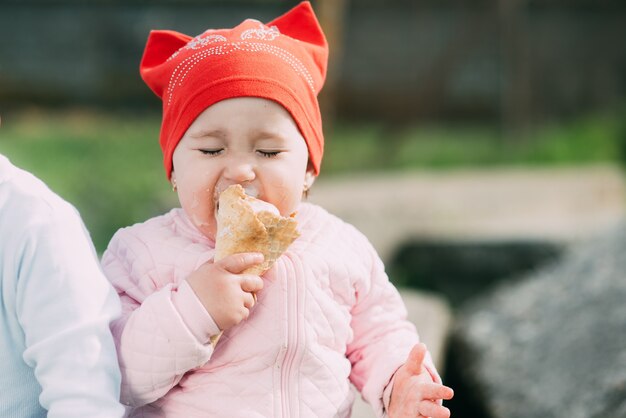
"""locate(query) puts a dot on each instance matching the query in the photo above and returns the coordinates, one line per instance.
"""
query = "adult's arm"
(65, 305)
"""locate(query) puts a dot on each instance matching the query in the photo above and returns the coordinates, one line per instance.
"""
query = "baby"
(240, 108)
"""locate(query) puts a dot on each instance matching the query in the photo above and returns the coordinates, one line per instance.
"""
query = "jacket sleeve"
(383, 337)
(64, 305)
(164, 330)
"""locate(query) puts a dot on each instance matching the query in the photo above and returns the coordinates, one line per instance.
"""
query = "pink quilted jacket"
(326, 317)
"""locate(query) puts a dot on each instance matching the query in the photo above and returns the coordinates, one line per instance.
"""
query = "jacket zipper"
(292, 340)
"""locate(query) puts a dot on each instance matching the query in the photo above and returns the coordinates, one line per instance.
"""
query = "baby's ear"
(309, 178)
(154, 68)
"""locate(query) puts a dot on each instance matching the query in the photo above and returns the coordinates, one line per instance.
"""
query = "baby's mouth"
(249, 189)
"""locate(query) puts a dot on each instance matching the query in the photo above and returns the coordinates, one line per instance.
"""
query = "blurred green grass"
(109, 164)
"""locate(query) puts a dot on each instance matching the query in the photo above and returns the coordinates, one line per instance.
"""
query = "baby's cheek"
(287, 199)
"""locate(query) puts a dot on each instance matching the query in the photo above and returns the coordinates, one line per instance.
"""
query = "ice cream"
(247, 224)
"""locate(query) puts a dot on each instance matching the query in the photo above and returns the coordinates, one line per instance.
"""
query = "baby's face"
(246, 140)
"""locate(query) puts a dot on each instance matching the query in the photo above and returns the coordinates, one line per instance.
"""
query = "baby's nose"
(239, 171)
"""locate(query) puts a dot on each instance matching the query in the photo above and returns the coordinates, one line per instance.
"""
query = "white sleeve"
(64, 305)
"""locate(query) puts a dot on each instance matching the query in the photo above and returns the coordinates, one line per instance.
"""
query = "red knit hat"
(284, 61)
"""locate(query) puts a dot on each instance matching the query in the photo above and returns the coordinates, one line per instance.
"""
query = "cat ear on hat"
(154, 68)
(300, 23)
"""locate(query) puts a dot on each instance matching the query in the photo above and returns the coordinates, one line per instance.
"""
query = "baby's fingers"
(416, 357)
(251, 283)
(249, 300)
(433, 410)
(237, 263)
(436, 391)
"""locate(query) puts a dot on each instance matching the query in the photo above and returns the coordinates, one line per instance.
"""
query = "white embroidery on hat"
(198, 42)
(264, 33)
(185, 66)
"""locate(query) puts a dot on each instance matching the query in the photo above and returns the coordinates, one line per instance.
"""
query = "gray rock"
(463, 269)
(553, 344)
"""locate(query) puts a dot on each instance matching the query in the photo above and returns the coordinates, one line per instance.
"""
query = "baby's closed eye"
(268, 153)
(211, 151)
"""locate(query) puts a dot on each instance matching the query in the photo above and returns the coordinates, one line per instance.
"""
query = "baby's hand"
(414, 393)
(226, 292)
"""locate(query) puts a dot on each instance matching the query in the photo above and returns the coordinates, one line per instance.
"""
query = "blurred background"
(479, 139)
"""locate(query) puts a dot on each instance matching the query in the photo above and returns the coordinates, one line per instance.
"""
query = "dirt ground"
(555, 204)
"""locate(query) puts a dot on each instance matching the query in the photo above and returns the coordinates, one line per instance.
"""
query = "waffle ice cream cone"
(246, 224)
